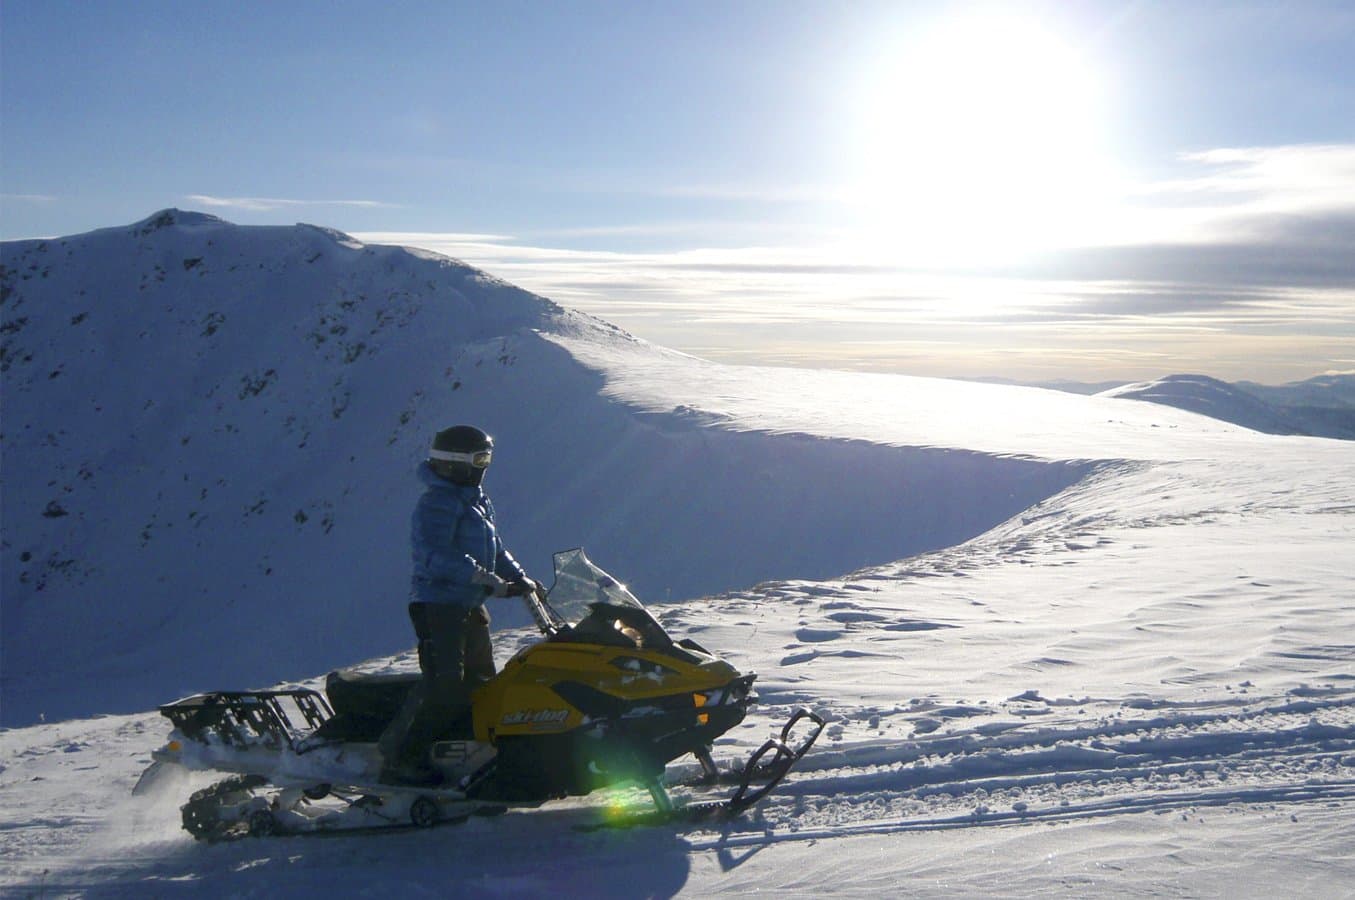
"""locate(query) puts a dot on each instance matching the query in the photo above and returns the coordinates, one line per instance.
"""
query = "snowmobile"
(604, 698)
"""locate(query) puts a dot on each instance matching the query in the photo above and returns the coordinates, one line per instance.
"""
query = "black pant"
(455, 655)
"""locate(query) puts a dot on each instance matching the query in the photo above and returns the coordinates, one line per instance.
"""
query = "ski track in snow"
(1290, 752)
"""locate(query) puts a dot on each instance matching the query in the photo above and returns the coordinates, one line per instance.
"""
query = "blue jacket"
(452, 536)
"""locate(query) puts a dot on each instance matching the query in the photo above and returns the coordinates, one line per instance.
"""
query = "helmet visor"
(479, 459)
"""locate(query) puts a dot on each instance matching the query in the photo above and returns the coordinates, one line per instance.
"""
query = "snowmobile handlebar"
(535, 601)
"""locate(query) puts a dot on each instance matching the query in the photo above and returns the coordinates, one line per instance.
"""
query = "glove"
(494, 585)
(522, 587)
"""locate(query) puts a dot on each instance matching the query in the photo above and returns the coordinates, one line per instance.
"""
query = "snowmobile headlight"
(637, 666)
(700, 700)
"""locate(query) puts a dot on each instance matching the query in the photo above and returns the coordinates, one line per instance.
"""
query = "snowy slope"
(1210, 397)
(1315, 407)
(210, 434)
(1123, 664)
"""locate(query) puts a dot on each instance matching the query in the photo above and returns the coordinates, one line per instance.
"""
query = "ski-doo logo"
(536, 717)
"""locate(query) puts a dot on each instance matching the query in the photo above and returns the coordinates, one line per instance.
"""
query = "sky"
(1079, 190)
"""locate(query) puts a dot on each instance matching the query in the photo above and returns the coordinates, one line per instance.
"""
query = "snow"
(1318, 407)
(1067, 644)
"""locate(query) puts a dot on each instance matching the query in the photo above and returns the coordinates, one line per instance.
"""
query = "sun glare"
(980, 139)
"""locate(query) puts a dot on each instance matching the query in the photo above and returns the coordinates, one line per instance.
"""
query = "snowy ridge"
(1210, 397)
(909, 411)
(1315, 407)
(1335, 390)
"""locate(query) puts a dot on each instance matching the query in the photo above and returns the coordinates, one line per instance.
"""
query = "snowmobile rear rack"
(231, 715)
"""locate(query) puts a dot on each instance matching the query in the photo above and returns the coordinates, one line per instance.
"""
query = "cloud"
(1225, 192)
(1243, 267)
(266, 204)
(1303, 176)
(448, 243)
(35, 199)
(1277, 251)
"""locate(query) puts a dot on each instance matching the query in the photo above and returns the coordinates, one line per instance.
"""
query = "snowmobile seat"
(364, 704)
(366, 694)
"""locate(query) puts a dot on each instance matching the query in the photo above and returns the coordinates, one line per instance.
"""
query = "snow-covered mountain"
(1066, 644)
(1323, 406)
(210, 433)
(1209, 397)
(206, 433)
(1336, 391)
(1315, 407)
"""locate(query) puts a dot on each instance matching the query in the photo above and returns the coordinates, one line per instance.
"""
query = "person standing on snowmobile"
(459, 561)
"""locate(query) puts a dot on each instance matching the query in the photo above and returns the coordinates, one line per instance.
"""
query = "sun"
(980, 137)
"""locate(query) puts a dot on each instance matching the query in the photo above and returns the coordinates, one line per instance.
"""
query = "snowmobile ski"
(759, 770)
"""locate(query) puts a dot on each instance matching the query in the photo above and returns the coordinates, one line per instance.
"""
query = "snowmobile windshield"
(594, 605)
(579, 584)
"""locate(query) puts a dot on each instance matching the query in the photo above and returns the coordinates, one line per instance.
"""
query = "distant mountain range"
(1323, 406)
(1319, 407)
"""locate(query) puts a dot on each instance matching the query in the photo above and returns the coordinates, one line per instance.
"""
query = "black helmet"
(461, 454)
